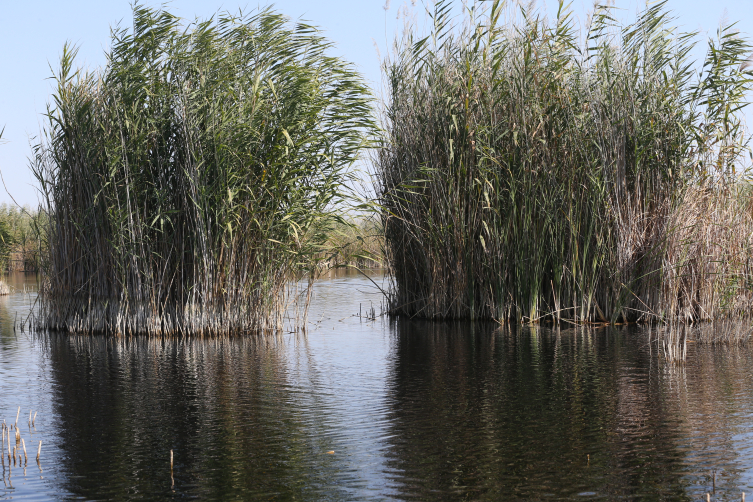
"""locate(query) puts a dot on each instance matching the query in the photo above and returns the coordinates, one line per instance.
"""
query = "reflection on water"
(359, 409)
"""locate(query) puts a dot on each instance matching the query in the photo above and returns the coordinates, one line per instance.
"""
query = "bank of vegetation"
(531, 170)
(356, 243)
(19, 238)
(197, 176)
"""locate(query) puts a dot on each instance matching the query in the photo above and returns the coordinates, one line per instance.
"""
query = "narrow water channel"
(361, 409)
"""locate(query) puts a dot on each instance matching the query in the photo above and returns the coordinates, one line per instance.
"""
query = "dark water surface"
(361, 409)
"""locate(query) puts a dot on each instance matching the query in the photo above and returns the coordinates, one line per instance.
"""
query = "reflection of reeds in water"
(195, 176)
(238, 423)
(722, 332)
(564, 408)
(710, 401)
(673, 338)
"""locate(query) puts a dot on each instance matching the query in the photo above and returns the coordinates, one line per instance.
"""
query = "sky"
(32, 34)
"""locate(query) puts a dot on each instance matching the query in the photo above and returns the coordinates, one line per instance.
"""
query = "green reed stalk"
(531, 171)
(193, 178)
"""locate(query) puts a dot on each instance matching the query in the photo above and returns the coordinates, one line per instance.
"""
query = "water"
(372, 410)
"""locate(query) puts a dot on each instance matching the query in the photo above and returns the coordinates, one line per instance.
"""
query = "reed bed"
(195, 177)
(531, 170)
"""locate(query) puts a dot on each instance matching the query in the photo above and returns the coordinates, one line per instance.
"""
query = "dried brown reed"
(707, 269)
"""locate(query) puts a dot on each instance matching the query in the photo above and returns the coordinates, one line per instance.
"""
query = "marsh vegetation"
(20, 229)
(357, 243)
(527, 170)
(195, 177)
(533, 171)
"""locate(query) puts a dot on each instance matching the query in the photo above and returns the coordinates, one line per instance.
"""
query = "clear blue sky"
(33, 32)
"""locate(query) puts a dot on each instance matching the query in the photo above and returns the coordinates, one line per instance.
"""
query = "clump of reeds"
(532, 171)
(4, 288)
(197, 175)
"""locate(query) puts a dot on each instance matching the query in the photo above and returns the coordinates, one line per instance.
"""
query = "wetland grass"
(194, 178)
(19, 243)
(533, 171)
(356, 243)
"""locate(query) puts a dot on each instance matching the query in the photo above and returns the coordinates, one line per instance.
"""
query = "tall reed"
(197, 174)
(530, 170)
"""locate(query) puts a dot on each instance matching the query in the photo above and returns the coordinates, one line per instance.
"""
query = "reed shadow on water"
(226, 408)
(527, 413)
